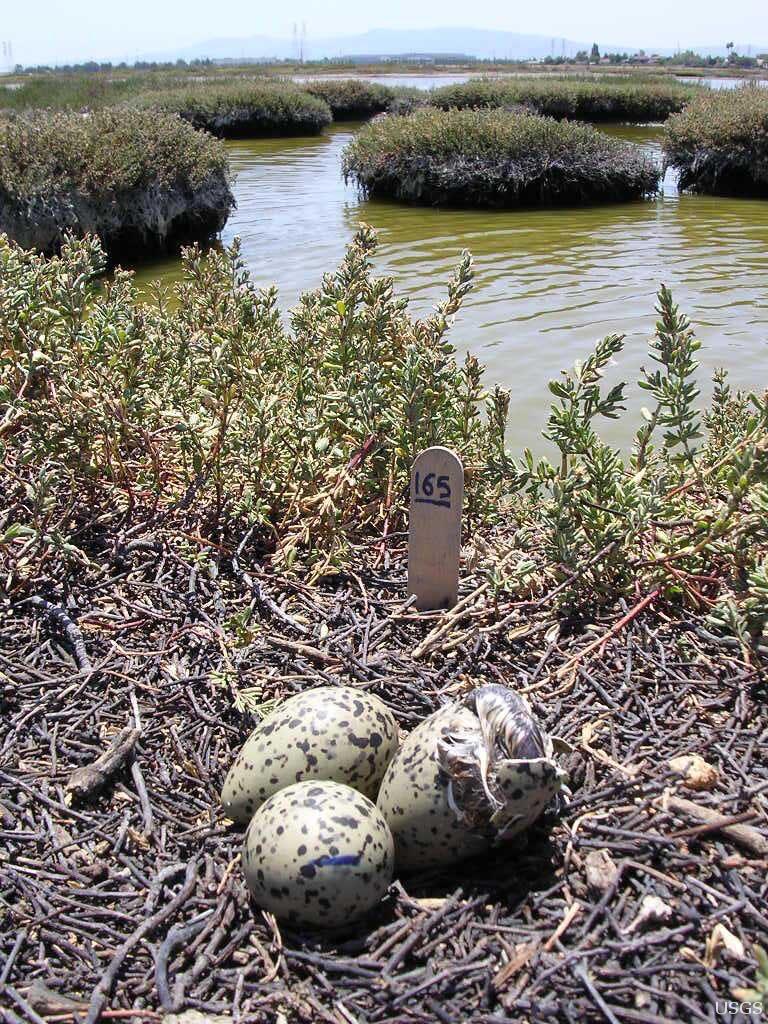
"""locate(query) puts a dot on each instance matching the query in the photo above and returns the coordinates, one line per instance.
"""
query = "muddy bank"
(735, 174)
(133, 224)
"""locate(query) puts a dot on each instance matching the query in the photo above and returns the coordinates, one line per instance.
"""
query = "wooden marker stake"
(434, 533)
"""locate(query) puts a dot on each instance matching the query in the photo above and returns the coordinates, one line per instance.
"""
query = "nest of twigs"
(121, 888)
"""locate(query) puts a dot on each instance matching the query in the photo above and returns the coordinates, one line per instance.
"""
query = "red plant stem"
(617, 627)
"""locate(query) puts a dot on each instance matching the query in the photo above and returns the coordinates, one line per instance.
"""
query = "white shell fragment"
(472, 774)
(334, 733)
(653, 912)
(318, 853)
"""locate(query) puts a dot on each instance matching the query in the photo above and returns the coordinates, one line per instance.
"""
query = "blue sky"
(49, 30)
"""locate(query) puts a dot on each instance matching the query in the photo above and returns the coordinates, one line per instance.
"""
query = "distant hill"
(484, 43)
(473, 42)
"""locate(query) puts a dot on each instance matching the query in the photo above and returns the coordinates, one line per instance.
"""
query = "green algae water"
(548, 282)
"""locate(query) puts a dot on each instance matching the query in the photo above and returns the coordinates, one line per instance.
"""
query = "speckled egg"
(333, 733)
(318, 853)
(472, 774)
(414, 797)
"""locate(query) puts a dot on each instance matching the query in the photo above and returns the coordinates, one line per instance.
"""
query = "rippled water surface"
(548, 282)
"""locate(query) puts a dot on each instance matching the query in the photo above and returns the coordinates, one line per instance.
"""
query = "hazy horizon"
(83, 29)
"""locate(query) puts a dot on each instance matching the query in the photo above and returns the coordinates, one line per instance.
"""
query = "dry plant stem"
(601, 641)
(571, 913)
(102, 990)
(60, 620)
(177, 936)
(744, 835)
(85, 781)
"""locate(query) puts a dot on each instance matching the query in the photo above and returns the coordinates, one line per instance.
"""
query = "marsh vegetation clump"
(354, 99)
(70, 92)
(581, 99)
(242, 108)
(494, 158)
(142, 181)
(719, 143)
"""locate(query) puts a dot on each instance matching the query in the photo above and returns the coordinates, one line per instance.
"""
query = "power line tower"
(302, 41)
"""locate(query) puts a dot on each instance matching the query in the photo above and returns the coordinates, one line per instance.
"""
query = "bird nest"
(125, 702)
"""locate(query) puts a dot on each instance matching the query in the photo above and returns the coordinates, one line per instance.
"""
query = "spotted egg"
(318, 853)
(414, 798)
(473, 773)
(333, 733)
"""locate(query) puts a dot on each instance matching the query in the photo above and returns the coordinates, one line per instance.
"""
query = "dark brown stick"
(90, 778)
(59, 619)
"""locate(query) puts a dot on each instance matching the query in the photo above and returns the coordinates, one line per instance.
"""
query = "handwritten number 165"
(424, 490)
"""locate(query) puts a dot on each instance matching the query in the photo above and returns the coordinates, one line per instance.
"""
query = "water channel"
(548, 282)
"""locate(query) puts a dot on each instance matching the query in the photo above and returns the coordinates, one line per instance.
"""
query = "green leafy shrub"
(210, 405)
(684, 517)
(719, 143)
(355, 99)
(206, 417)
(351, 99)
(68, 92)
(406, 99)
(581, 99)
(494, 158)
(93, 90)
(242, 108)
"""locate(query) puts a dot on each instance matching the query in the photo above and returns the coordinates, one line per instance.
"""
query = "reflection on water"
(432, 81)
(548, 282)
(722, 83)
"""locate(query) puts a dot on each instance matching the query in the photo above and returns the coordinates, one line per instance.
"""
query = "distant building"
(355, 58)
(227, 61)
(404, 58)
(645, 58)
